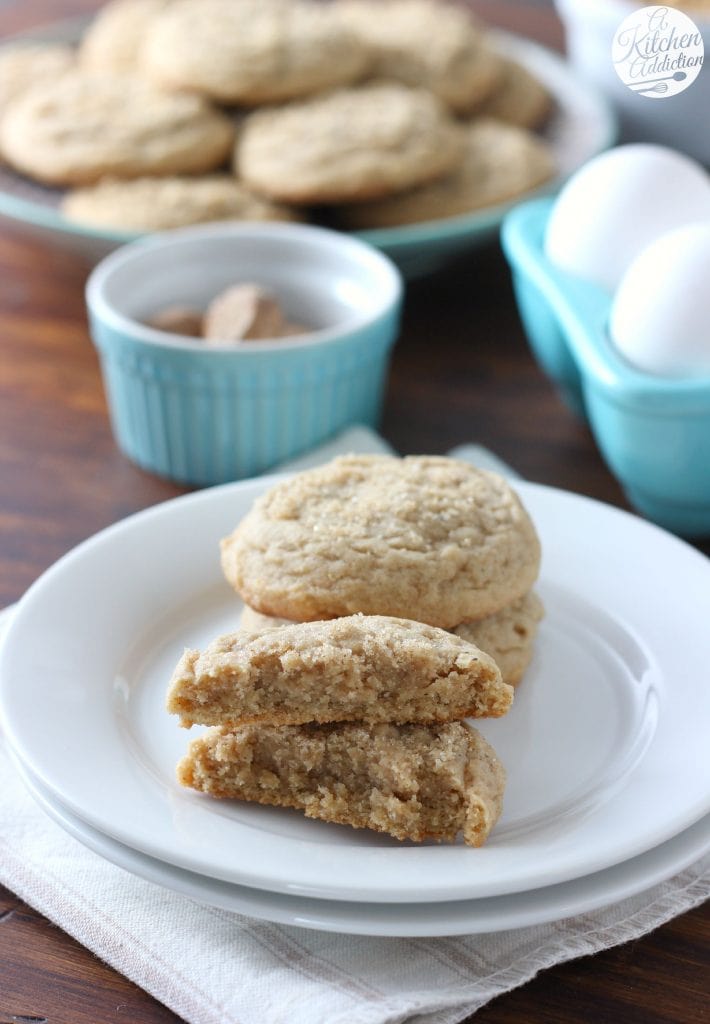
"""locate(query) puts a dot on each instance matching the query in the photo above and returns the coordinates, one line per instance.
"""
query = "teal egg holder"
(653, 432)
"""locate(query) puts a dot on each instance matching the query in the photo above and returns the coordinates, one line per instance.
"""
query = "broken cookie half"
(413, 782)
(369, 668)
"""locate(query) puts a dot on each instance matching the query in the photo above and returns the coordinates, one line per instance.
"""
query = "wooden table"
(461, 372)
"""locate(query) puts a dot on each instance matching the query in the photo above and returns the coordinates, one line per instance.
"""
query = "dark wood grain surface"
(461, 372)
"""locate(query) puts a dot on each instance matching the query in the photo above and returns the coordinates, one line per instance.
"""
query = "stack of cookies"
(424, 538)
(364, 113)
(345, 690)
(356, 721)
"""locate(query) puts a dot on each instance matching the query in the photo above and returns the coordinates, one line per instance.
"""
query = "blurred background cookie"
(114, 38)
(87, 126)
(349, 144)
(24, 66)
(500, 162)
(518, 98)
(251, 51)
(156, 204)
(426, 44)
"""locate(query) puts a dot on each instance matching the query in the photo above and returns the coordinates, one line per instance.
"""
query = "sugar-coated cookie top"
(424, 537)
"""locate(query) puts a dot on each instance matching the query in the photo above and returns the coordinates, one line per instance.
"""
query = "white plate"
(606, 746)
(465, 917)
(581, 126)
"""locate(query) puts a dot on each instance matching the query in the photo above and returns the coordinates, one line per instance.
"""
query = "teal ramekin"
(204, 415)
(653, 432)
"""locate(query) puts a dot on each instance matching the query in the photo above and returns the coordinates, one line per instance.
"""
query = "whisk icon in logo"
(657, 51)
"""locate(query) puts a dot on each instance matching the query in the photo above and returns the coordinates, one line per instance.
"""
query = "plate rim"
(676, 855)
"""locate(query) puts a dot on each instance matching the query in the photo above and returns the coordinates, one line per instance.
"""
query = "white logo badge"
(657, 52)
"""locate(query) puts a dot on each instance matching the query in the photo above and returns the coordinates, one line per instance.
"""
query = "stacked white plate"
(606, 745)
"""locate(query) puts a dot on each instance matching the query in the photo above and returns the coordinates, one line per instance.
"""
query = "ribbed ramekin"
(202, 414)
(653, 431)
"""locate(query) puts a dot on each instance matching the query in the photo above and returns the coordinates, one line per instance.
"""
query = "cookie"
(425, 43)
(376, 533)
(357, 668)
(349, 144)
(251, 51)
(157, 204)
(519, 98)
(113, 41)
(410, 781)
(84, 127)
(500, 163)
(506, 636)
(24, 66)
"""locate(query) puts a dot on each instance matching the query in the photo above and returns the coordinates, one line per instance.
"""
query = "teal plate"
(581, 125)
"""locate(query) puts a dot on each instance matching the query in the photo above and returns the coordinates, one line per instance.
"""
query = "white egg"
(619, 202)
(660, 316)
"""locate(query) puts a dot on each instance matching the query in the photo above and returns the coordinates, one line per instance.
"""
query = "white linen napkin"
(214, 967)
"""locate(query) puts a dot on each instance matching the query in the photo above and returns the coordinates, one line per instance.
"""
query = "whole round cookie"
(251, 51)
(425, 43)
(507, 636)
(114, 38)
(518, 98)
(375, 534)
(500, 162)
(348, 144)
(158, 204)
(85, 127)
(24, 66)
